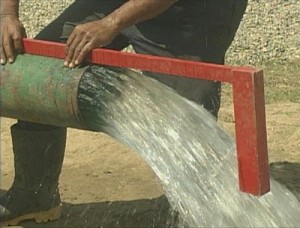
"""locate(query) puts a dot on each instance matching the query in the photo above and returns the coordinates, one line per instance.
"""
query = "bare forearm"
(135, 11)
(100, 33)
(9, 7)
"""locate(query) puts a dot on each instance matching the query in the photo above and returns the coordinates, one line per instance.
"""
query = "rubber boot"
(38, 158)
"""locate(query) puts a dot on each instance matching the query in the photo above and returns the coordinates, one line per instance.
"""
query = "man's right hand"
(12, 34)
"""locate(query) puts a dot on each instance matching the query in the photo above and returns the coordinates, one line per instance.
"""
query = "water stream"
(191, 155)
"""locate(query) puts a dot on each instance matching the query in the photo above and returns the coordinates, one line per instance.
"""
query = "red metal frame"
(248, 95)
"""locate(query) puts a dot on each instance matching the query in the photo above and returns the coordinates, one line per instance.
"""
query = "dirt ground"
(105, 184)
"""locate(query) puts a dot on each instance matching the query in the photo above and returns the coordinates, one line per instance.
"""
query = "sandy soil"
(105, 184)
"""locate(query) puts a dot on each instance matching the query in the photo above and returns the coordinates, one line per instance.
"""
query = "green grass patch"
(281, 83)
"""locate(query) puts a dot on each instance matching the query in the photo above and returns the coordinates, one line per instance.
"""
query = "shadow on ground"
(288, 174)
(137, 213)
(147, 212)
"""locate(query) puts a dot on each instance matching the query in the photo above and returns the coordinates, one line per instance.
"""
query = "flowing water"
(194, 159)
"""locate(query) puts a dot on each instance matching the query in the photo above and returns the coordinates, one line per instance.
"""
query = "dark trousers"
(200, 30)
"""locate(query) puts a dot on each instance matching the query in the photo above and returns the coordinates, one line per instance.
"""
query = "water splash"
(194, 159)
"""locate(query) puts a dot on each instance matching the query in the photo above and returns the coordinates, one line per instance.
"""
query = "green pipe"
(41, 90)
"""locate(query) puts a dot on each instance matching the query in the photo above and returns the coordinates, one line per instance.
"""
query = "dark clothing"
(190, 29)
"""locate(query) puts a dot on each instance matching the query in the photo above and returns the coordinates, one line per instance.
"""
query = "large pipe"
(40, 89)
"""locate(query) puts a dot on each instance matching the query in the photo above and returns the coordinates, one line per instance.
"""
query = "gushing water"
(194, 159)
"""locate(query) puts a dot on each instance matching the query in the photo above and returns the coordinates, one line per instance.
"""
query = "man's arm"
(100, 33)
(12, 30)
(136, 11)
(9, 7)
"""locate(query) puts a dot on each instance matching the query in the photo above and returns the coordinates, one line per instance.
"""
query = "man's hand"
(86, 37)
(12, 33)
(100, 33)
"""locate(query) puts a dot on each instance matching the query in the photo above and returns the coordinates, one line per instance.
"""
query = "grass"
(282, 83)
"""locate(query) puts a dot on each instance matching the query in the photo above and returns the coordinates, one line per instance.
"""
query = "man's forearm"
(9, 7)
(135, 11)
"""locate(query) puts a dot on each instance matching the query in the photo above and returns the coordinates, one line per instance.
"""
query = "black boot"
(38, 157)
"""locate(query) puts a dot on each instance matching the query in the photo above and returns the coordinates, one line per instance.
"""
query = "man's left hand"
(86, 37)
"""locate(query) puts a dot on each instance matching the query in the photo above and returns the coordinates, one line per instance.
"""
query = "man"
(190, 29)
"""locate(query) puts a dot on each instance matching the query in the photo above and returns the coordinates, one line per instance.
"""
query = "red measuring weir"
(248, 97)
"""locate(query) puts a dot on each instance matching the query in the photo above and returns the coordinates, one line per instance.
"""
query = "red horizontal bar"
(143, 62)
